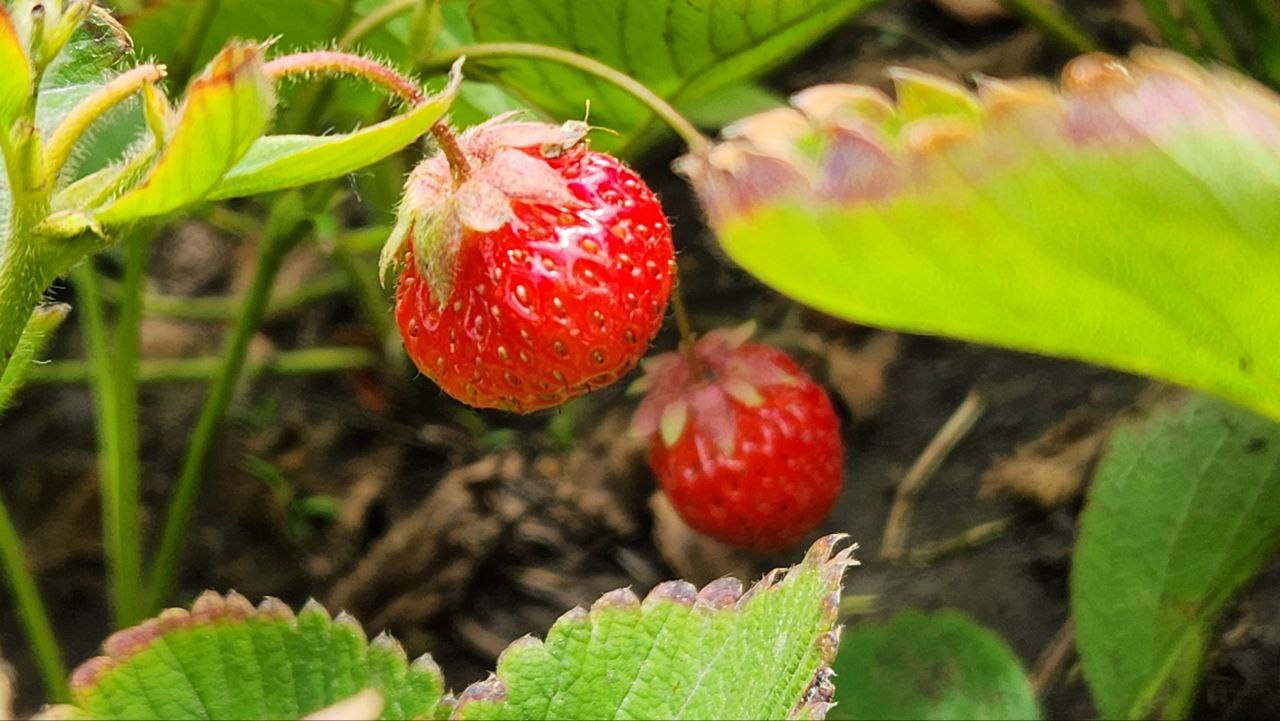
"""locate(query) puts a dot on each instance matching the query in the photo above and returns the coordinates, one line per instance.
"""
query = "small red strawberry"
(538, 272)
(747, 447)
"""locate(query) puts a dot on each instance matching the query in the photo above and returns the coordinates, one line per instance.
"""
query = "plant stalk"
(1053, 22)
(184, 59)
(285, 227)
(121, 555)
(308, 361)
(697, 142)
(31, 611)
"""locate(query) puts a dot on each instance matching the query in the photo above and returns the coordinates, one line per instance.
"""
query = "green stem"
(227, 308)
(310, 361)
(31, 610)
(188, 49)
(285, 228)
(688, 340)
(374, 20)
(697, 142)
(1215, 37)
(362, 280)
(1053, 23)
(122, 568)
(63, 140)
(128, 341)
(1172, 30)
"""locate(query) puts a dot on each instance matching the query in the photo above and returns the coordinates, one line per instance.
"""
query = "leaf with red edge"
(227, 659)
(681, 652)
(226, 109)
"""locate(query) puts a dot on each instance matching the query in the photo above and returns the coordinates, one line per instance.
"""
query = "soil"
(461, 531)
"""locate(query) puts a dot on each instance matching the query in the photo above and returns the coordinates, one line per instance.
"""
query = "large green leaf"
(225, 110)
(1184, 509)
(225, 659)
(680, 653)
(681, 49)
(289, 161)
(160, 29)
(1130, 220)
(929, 666)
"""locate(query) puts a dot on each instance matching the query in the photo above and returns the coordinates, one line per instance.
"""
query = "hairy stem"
(683, 127)
(43, 323)
(285, 228)
(310, 361)
(448, 142)
(332, 62)
(31, 611)
(73, 127)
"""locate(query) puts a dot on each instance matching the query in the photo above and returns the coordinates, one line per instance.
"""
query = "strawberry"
(539, 271)
(746, 446)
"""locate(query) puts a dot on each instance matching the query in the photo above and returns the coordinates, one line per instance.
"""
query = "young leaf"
(1184, 509)
(680, 653)
(44, 321)
(15, 81)
(1129, 220)
(682, 49)
(226, 109)
(929, 666)
(225, 659)
(288, 161)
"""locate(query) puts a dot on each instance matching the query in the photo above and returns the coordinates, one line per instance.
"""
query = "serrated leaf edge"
(724, 595)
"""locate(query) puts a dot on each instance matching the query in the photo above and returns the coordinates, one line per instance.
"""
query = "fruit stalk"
(458, 165)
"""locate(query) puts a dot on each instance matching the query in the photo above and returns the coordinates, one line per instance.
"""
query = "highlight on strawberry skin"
(534, 268)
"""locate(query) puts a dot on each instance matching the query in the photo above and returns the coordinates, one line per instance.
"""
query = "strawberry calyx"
(678, 396)
(505, 163)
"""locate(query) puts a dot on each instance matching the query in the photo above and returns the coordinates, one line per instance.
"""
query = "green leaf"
(929, 666)
(680, 653)
(225, 659)
(725, 105)
(1185, 507)
(288, 161)
(1129, 221)
(159, 29)
(226, 109)
(681, 49)
(85, 63)
(44, 321)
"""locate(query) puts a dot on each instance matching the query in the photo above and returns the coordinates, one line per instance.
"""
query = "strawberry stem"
(697, 142)
(453, 152)
(333, 62)
(688, 339)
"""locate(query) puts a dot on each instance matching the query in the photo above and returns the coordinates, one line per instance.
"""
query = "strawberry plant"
(429, 155)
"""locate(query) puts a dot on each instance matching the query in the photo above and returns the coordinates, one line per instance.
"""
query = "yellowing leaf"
(226, 109)
(1129, 220)
(15, 80)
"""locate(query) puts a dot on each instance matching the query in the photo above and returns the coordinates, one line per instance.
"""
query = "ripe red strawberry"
(748, 448)
(540, 274)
